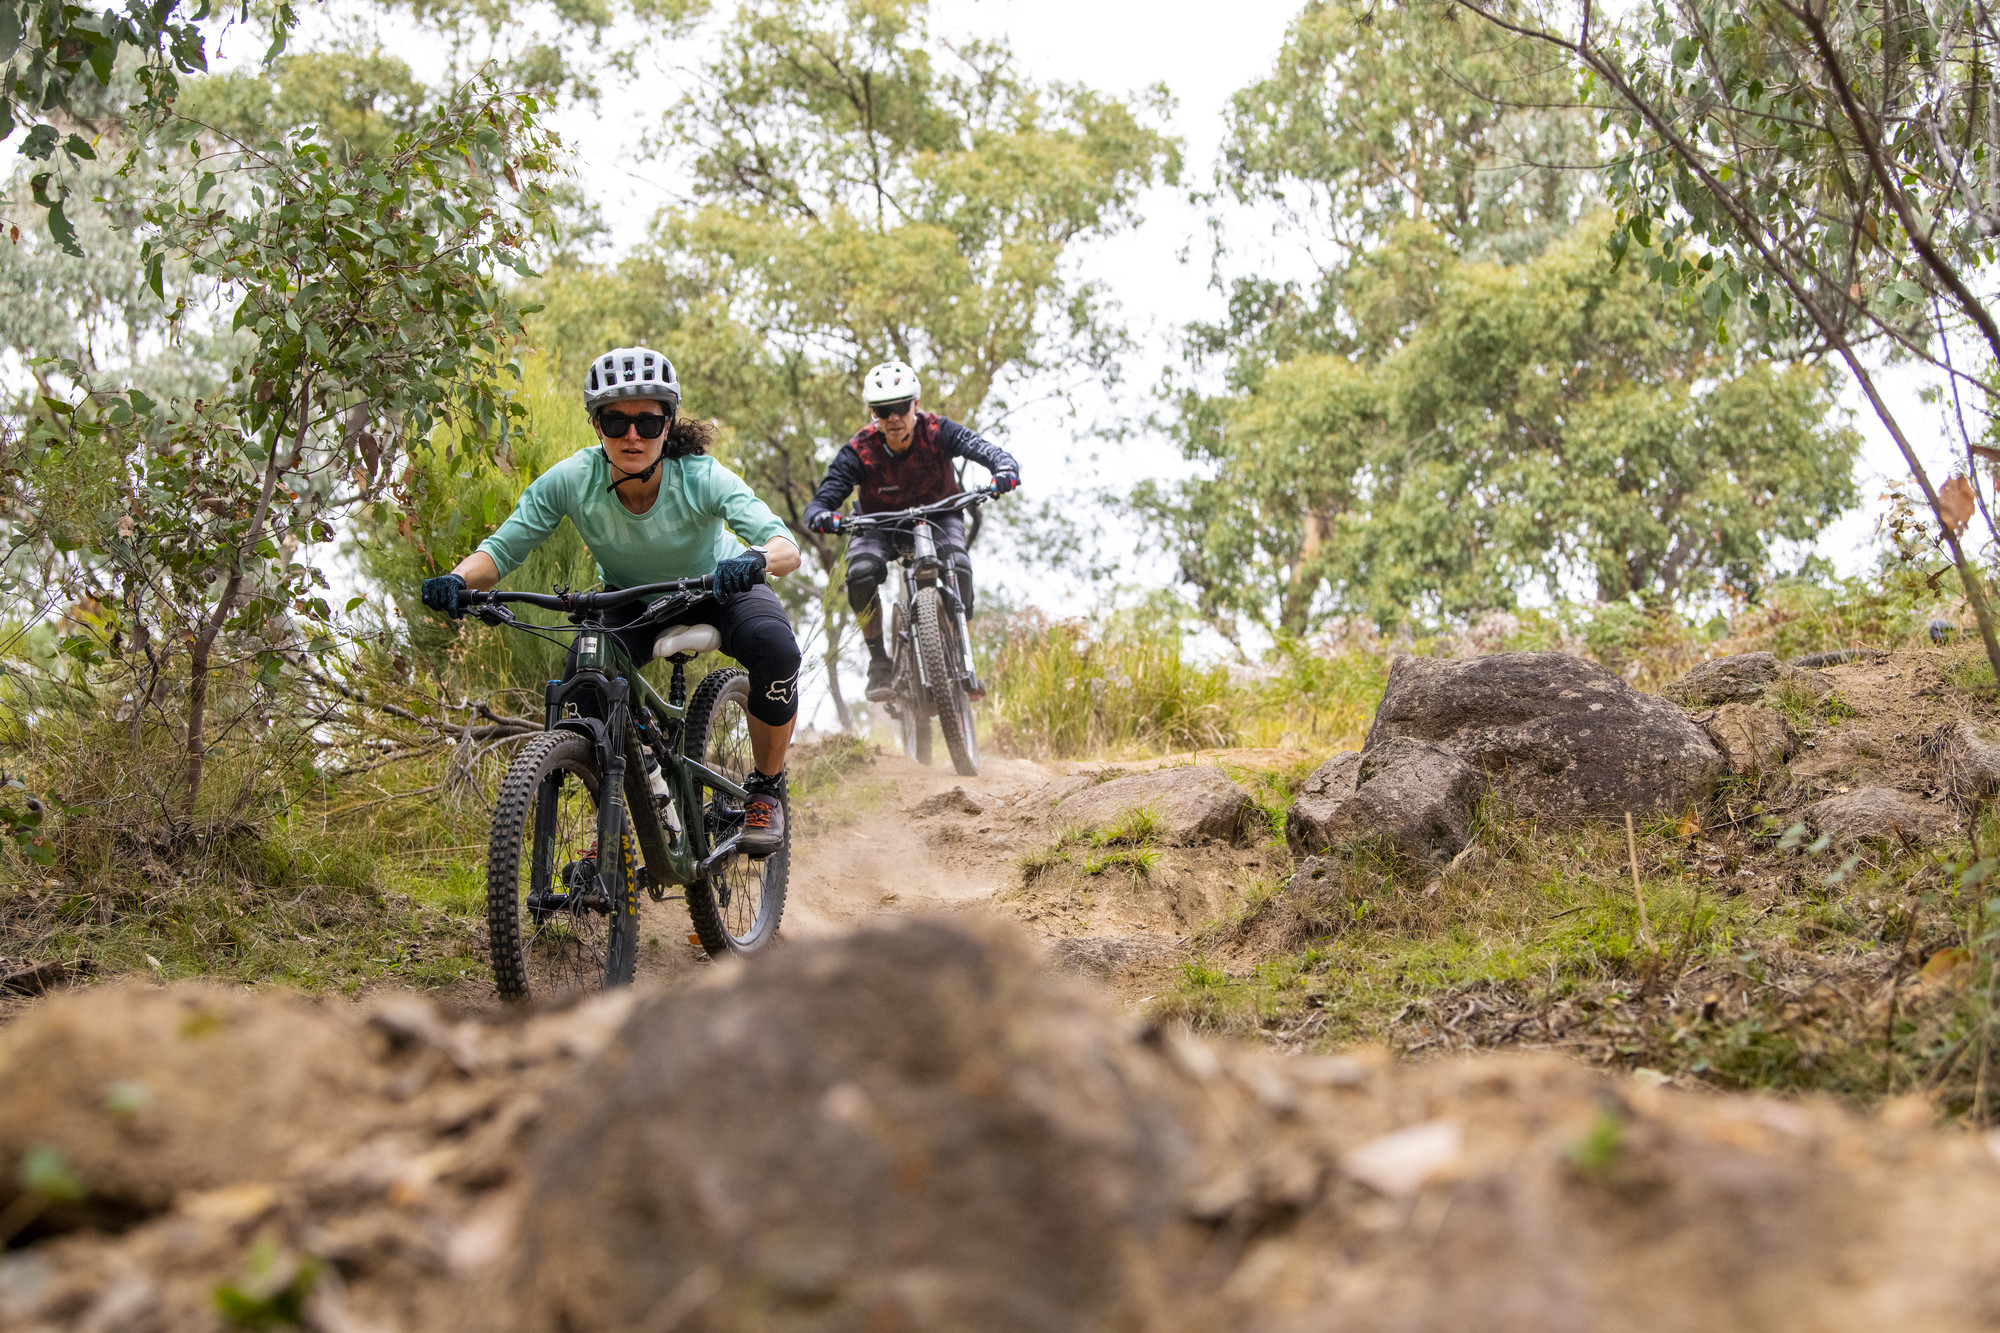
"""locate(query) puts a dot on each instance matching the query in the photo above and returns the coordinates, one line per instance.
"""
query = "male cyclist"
(652, 506)
(901, 460)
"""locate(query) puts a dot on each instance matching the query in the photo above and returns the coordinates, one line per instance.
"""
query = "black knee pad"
(773, 657)
(864, 576)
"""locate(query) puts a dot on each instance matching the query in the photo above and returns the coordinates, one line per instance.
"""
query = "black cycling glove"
(739, 573)
(443, 594)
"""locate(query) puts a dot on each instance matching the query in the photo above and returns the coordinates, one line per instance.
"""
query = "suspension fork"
(611, 802)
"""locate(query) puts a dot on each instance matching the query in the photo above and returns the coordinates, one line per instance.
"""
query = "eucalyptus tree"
(365, 300)
(1825, 169)
(856, 187)
(1548, 422)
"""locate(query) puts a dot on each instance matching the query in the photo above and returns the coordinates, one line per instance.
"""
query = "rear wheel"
(551, 928)
(737, 908)
(937, 640)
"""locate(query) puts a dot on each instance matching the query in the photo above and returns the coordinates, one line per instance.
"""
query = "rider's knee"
(864, 576)
(774, 658)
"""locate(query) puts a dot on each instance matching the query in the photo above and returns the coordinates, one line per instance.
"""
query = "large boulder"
(1417, 797)
(1554, 734)
(1196, 803)
(911, 1127)
(1753, 739)
(1872, 814)
(1741, 678)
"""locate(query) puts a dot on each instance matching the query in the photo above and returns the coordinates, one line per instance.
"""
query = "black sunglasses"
(615, 424)
(886, 410)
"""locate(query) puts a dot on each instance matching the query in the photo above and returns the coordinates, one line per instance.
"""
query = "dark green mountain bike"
(577, 833)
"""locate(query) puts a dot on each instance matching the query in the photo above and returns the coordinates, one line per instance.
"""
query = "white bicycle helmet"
(630, 372)
(890, 382)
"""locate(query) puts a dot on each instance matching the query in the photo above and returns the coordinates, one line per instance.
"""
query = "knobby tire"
(936, 638)
(737, 909)
(910, 700)
(575, 947)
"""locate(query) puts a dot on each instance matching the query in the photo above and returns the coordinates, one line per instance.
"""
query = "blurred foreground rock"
(916, 1127)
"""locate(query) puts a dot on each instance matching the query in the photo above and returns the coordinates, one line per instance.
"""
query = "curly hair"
(688, 435)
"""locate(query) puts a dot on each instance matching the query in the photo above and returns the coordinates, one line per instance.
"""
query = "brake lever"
(494, 614)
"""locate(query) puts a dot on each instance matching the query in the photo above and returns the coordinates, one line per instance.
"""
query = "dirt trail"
(862, 850)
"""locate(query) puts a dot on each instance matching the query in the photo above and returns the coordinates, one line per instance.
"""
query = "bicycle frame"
(634, 714)
(923, 567)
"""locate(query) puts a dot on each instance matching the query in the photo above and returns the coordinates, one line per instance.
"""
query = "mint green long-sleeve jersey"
(678, 538)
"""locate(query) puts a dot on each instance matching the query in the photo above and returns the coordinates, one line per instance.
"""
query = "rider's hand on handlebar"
(739, 573)
(1004, 482)
(827, 522)
(446, 593)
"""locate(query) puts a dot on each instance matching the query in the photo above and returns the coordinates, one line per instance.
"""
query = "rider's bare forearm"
(478, 570)
(781, 556)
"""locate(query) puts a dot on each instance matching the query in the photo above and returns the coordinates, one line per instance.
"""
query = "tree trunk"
(832, 659)
(204, 642)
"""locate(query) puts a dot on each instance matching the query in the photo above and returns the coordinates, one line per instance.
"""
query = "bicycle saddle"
(675, 640)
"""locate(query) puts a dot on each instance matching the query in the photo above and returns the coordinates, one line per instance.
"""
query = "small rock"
(1402, 1163)
(1968, 760)
(1417, 796)
(956, 801)
(34, 980)
(1741, 678)
(1876, 813)
(1753, 739)
(1196, 803)
(1319, 798)
(1106, 955)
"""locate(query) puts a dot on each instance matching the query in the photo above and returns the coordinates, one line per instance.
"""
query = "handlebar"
(894, 517)
(582, 603)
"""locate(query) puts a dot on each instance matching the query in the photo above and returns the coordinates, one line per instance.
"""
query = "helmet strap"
(641, 476)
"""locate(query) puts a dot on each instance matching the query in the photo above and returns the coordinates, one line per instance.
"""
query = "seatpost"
(677, 688)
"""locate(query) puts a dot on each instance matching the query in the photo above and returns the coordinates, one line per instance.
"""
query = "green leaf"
(48, 1173)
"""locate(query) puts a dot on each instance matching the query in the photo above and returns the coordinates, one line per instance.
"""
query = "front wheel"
(937, 640)
(736, 909)
(552, 929)
(913, 710)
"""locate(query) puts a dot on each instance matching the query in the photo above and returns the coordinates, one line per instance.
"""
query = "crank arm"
(722, 853)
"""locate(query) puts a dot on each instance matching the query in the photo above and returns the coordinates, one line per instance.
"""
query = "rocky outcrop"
(1196, 803)
(1876, 814)
(1753, 739)
(1740, 679)
(1413, 796)
(1553, 734)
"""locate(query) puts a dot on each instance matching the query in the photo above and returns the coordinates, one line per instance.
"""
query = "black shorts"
(755, 631)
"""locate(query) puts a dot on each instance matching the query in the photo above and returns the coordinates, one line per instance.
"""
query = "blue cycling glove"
(1004, 482)
(443, 594)
(739, 573)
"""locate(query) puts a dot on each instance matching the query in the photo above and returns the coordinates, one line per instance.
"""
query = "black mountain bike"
(930, 644)
(577, 831)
